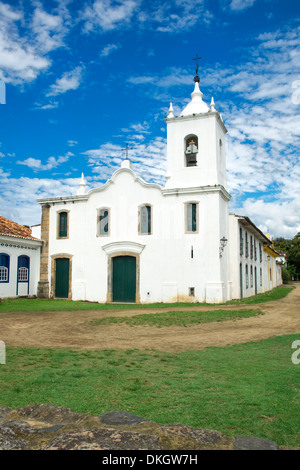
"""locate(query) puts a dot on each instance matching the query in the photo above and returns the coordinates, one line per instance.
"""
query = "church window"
(63, 224)
(260, 277)
(191, 150)
(247, 277)
(251, 276)
(103, 222)
(145, 215)
(23, 269)
(220, 146)
(241, 242)
(247, 246)
(4, 268)
(192, 291)
(251, 247)
(260, 253)
(191, 217)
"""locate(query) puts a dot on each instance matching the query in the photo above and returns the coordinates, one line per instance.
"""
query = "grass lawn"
(247, 389)
(179, 318)
(44, 305)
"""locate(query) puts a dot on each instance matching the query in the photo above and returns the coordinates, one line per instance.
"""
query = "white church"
(138, 242)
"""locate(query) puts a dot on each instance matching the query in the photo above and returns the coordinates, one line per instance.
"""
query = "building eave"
(4, 237)
(247, 223)
(210, 113)
(198, 189)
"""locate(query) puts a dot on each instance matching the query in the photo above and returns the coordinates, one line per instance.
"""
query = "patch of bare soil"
(73, 329)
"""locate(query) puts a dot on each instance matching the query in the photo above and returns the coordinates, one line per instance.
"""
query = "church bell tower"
(196, 144)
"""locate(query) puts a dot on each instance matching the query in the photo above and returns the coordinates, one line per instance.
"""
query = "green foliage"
(292, 249)
(247, 389)
(286, 276)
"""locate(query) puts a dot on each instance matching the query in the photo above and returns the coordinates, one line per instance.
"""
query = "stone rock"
(9, 440)
(4, 412)
(104, 439)
(46, 427)
(254, 443)
(120, 418)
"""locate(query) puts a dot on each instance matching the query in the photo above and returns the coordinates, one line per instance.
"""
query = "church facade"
(133, 241)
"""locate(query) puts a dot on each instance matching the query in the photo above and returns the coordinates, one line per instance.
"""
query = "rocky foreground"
(45, 427)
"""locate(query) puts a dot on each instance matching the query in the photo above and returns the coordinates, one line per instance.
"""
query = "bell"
(191, 159)
(192, 148)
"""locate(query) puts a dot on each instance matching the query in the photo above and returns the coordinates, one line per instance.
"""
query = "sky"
(85, 78)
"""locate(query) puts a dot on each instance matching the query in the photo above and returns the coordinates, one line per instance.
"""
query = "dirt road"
(74, 330)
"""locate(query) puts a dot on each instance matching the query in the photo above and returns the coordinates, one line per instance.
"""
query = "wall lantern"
(223, 243)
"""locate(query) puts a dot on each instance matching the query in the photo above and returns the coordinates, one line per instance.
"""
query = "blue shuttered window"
(4, 267)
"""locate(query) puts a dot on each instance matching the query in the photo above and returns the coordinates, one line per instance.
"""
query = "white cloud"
(26, 37)
(52, 162)
(107, 50)
(19, 60)
(148, 159)
(23, 192)
(72, 143)
(69, 81)
(279, 218)
(50, 105)
(167, 17)
(238, 5)
(49, 30)
(108, 15)
(177, 15)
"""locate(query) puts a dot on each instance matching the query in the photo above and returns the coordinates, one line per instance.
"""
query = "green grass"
(44, 305)
(247, 389)
(178, 318)
(275, 294)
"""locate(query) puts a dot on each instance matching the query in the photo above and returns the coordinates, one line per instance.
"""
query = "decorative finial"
(212, 104)
(82, 186)
(171, 111)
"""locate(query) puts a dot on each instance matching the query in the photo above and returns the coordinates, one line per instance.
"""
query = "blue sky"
(84, 78)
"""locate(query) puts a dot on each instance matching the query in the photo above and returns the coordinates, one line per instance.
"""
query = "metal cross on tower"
(197, 65)
(126, 149)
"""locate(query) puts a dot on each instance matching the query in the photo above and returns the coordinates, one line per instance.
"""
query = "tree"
(292, 250)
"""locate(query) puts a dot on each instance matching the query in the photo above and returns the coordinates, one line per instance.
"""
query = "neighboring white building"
(19, 260)
(132, 241)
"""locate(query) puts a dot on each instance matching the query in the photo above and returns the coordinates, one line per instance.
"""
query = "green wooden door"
(124, 279)
(62, 278)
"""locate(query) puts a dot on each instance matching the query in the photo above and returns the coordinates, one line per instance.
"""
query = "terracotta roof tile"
(7, 227)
